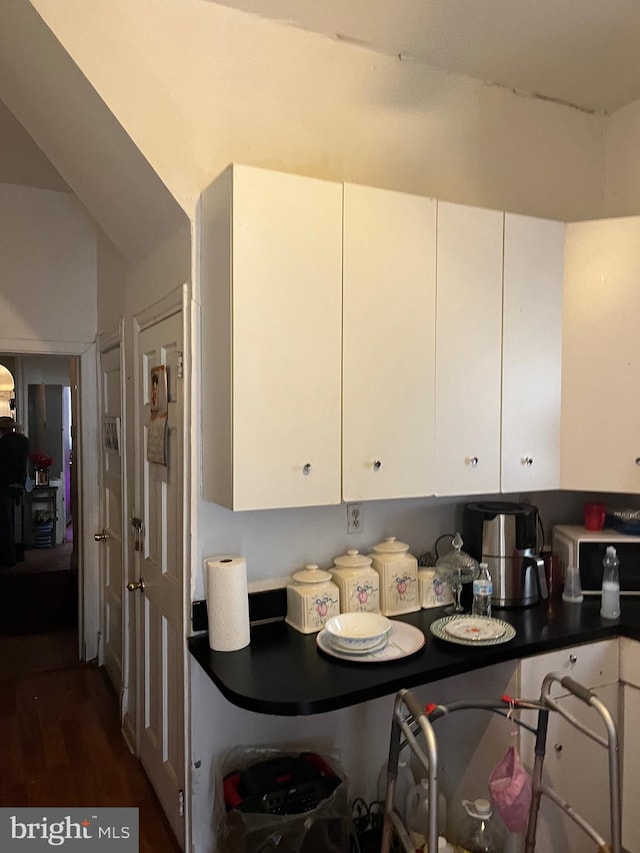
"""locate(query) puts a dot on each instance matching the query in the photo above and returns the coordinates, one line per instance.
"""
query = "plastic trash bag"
(244, 785)
(510, 789)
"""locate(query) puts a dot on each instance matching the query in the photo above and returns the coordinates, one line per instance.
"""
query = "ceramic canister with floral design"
(358, 583)
(312, 598)
(434, 592)
(398, 571)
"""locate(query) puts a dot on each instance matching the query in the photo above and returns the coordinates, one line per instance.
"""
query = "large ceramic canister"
(312, 598)
(434, 592)
(358, 582)
(398, 572)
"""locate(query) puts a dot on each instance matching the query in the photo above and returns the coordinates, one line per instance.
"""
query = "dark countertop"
(283, 672)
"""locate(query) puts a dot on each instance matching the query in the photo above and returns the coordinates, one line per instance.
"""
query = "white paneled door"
(158, 529)
(111, 510)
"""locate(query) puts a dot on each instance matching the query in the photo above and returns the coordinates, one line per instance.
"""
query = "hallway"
(60, 740)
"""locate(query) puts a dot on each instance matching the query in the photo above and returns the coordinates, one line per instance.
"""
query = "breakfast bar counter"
(283, 672)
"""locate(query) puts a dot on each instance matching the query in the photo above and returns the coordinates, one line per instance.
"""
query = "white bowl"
(358, 631)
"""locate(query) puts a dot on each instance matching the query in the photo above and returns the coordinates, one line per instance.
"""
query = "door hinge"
(181, 802)
(180, 365)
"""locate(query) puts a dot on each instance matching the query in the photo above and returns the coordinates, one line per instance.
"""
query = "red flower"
(41, 460)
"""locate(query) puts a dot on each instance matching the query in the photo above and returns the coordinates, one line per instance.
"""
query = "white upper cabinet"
(600, 443)
(468, 349)
(388, 344)
(531, 353)
(271, 339)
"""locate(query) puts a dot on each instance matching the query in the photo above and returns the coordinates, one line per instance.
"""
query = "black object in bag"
(285, 785)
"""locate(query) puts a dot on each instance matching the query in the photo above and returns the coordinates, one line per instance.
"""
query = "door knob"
(102, 536)
(132, 586)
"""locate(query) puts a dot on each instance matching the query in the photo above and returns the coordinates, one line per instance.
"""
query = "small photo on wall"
(111, 433)
(158, 397)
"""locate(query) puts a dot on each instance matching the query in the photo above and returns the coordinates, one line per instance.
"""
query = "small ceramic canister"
(433, 591)
(312, 598)
(398, 571)
(358, 583)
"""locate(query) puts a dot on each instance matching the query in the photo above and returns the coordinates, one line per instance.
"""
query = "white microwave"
(576, 546)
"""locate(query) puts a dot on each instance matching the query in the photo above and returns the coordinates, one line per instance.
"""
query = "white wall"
(21, 161)
(197, 85)
(48, 252)
(51, 370)
(622, 164)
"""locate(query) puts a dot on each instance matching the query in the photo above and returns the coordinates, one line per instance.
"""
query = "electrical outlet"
(355, 518)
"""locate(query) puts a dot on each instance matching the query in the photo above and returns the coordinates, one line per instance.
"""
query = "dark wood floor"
(60, 745)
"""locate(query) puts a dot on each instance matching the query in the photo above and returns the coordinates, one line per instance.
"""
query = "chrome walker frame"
(410, 721)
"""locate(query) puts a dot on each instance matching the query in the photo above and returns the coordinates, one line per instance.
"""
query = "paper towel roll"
(227, 603)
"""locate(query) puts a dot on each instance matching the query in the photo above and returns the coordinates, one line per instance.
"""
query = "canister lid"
(353, 559)
(391, 546)
(311, 574)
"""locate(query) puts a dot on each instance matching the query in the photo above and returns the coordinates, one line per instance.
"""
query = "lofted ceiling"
(583, 53)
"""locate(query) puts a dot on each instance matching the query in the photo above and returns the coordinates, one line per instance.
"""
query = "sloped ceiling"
(21, 161)
(67, 119)
(579, 52)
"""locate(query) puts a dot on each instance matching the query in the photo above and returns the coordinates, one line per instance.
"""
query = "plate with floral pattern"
(403, 640)
(469, 630)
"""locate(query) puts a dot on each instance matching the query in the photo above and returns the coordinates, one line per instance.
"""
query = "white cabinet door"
(388, 344)
(631, 770)
(468, 349)
(272, 305)
(531, 353)
(600, 432)
(575, 766)
(630, 676)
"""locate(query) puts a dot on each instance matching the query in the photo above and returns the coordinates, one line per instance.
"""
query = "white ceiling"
(585, 53)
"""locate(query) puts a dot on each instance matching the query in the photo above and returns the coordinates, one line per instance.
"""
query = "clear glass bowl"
(457, 568)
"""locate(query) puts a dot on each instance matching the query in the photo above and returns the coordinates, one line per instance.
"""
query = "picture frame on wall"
(158, 392)
(111, 433)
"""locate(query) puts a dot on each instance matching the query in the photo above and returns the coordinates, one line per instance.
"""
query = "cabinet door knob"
(377, 464)
(573, 659)
(101, 537)
(527, 460)
(472, 460)
(306, 470)
(637, 460)
(558, 747)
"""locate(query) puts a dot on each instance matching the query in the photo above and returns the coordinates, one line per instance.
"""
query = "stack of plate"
(369, 638)
(472, 630)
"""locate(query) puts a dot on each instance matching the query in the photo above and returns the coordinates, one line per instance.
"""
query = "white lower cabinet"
(630, 677)
(575, 766)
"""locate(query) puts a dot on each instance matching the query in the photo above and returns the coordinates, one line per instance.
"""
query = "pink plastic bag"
(510, 789)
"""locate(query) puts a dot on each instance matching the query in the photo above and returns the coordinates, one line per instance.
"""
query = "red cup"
(594, 515)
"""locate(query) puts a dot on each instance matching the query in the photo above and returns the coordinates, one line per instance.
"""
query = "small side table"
(42, 499)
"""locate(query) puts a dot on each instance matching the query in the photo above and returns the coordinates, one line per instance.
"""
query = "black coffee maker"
(505, 536)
